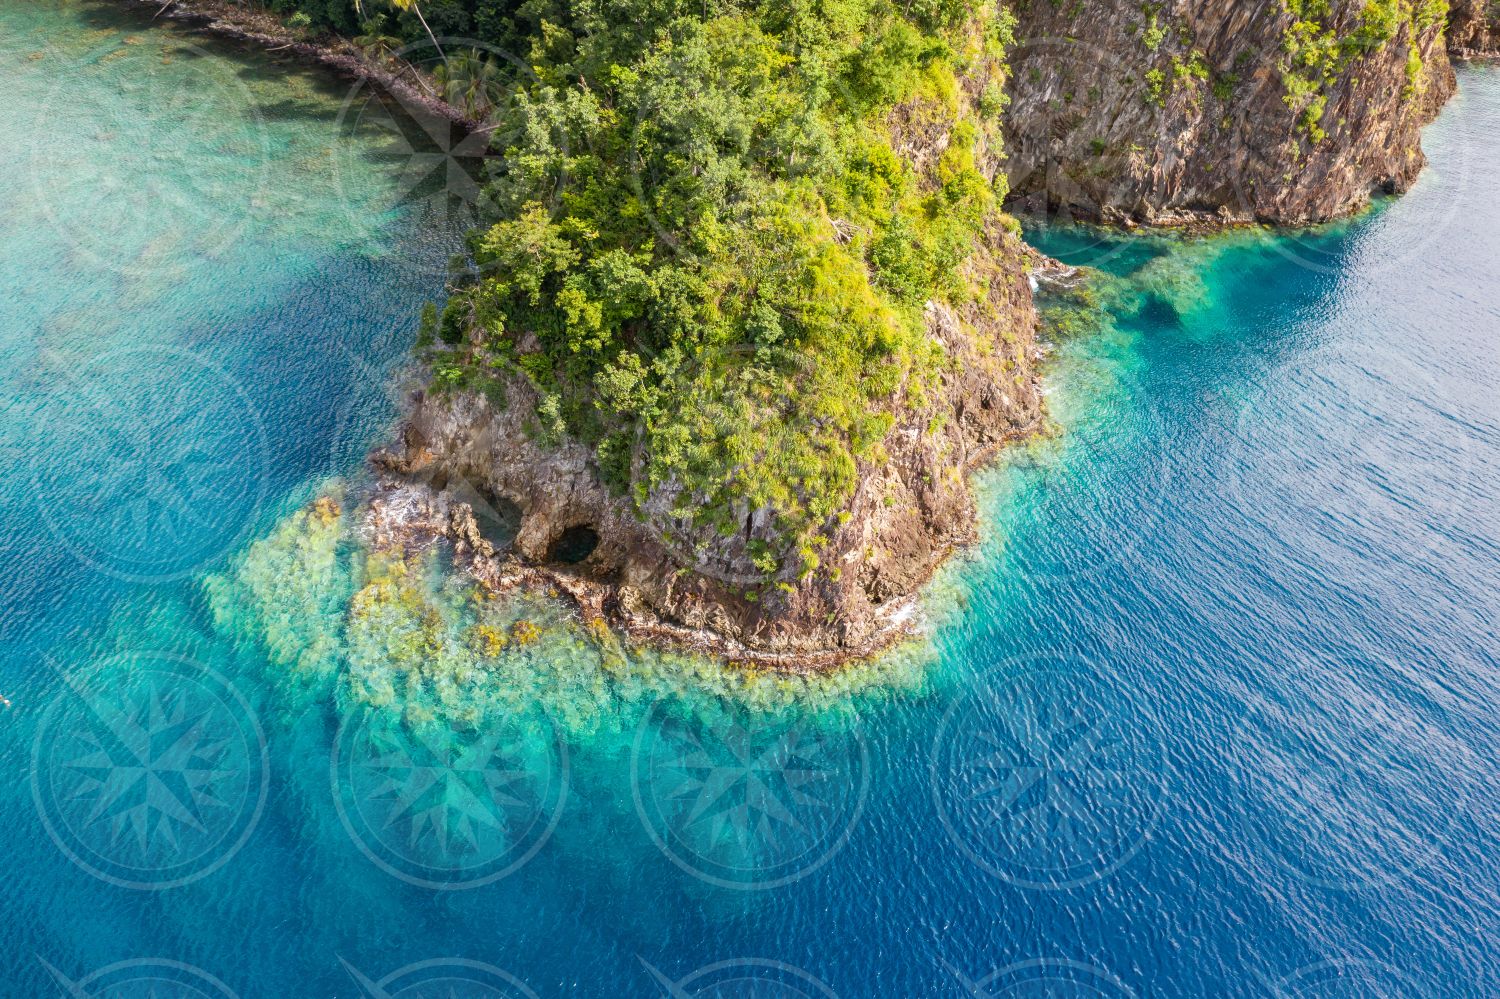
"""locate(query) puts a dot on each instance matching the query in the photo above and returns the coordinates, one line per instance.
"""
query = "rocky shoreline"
(649, 574)
(262, 30)
(404, 511)
(406, 515)
(459, 457)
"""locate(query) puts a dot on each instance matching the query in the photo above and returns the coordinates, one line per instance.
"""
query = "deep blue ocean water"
(1215, 711)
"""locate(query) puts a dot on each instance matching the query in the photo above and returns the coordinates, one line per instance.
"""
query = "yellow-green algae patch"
(402, 633)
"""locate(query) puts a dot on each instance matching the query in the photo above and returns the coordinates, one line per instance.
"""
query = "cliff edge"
(1277, 111)
(656, 574)
(746, 311)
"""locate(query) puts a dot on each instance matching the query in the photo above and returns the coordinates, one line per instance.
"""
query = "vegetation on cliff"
(716, 233)
(1473, 27)
(1317, 53)
(1282, 111)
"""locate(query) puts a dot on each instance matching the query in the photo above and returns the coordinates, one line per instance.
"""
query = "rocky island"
(747, 305)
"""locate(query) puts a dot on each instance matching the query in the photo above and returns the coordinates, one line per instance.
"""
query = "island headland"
(747, 304)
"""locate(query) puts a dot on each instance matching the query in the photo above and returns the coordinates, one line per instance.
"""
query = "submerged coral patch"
(463, 720)
(400, 631)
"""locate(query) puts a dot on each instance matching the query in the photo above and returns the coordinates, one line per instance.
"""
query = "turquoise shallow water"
(1212, 713)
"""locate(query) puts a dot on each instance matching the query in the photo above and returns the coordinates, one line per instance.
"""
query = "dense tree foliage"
(715, 232)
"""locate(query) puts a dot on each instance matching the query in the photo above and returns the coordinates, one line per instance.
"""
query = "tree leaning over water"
(410, 6)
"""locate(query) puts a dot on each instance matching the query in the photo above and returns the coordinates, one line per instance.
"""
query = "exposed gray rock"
(1180, 112)
(1474, 28)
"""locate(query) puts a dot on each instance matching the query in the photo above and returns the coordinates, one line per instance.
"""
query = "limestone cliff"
(1282, 111)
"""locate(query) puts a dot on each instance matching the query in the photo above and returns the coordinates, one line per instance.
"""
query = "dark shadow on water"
(1158, 314)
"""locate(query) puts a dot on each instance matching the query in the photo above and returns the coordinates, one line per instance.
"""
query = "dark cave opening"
(573, 545)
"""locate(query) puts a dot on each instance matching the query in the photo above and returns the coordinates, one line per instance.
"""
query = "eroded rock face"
(661, 577)
(1195, 110)
(1474, 28)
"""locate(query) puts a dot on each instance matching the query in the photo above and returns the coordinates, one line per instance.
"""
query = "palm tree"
(470, 81)
(415, 8)
(375, 43)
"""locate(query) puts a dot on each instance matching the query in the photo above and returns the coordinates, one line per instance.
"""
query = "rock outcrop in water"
(1216, 111)
(733, 378)
(1281, 111)
(659, 577)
